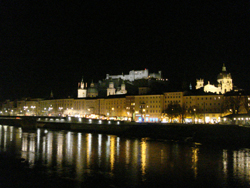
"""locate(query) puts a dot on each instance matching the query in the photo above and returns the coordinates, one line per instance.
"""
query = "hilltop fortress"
(135, 75)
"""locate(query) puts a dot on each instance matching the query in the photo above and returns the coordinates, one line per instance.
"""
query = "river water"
(126, 162)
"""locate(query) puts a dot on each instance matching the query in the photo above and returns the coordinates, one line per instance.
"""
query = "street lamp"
(33, 107)
(60, 109)
(194, 115)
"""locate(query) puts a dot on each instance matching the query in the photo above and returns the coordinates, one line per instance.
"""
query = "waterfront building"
(225, 83)
(203, 108)
(27, 106)
(91, 107)
(113, 107)
(148, 108)
(130, 107)
(8, 108)
(172, 98)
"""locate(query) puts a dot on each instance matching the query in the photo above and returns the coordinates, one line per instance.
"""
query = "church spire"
(51, 94)
(224, 68)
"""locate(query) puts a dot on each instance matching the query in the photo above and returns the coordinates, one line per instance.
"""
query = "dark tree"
(173, 110)
(235, 103)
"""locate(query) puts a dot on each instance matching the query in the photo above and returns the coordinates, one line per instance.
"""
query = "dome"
(92, 90)
(223, 75)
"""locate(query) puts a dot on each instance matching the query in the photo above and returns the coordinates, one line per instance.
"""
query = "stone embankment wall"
(233, 135)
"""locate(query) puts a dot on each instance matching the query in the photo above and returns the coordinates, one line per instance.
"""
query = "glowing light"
(143, 157)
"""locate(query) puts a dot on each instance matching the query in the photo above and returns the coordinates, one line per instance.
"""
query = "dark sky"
(49, 46)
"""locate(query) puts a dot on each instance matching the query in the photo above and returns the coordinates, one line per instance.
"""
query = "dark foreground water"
(74, 159)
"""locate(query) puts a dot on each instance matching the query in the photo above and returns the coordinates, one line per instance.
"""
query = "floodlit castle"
(225, 83)
(135, 75)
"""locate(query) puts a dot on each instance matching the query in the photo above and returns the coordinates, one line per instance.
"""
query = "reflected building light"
(118, 146)
(79, 159)
(25, 142)
(20, 132)
(11, 133)
(44, 149)
(5, 137)
(127, 152)
(59, 149)
(195, 151)
(38, 139)
(107, 148)
(49, 147)
(32, 142)
(241, 161)
(24, 146)
(112, 153)
(69, 147)
(32, 149)
(135, 151)
(5, 128)
(225, 161)
(143, 158)
(99, 148)
(79, 140)
(89, 145)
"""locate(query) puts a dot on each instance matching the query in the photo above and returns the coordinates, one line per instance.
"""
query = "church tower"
(225, 80)
(111, 89)
(82, 92)
(199, 83)
(122, 90)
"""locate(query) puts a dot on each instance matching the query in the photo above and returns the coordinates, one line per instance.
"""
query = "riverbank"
(210, 134)
(233, 135)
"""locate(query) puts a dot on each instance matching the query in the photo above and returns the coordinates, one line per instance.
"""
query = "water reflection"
(136, 161)
(143, 158)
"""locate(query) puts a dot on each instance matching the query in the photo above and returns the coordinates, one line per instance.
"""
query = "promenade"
(209, 133)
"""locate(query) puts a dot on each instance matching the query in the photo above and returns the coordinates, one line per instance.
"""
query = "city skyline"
(50, 46)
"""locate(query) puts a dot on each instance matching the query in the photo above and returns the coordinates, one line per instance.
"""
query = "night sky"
(47, 45)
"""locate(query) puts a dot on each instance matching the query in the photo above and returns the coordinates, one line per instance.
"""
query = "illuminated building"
(135, 75)
(225, 83)
(202, 108)
(82, 92)
(92, 91)
(148, 108)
